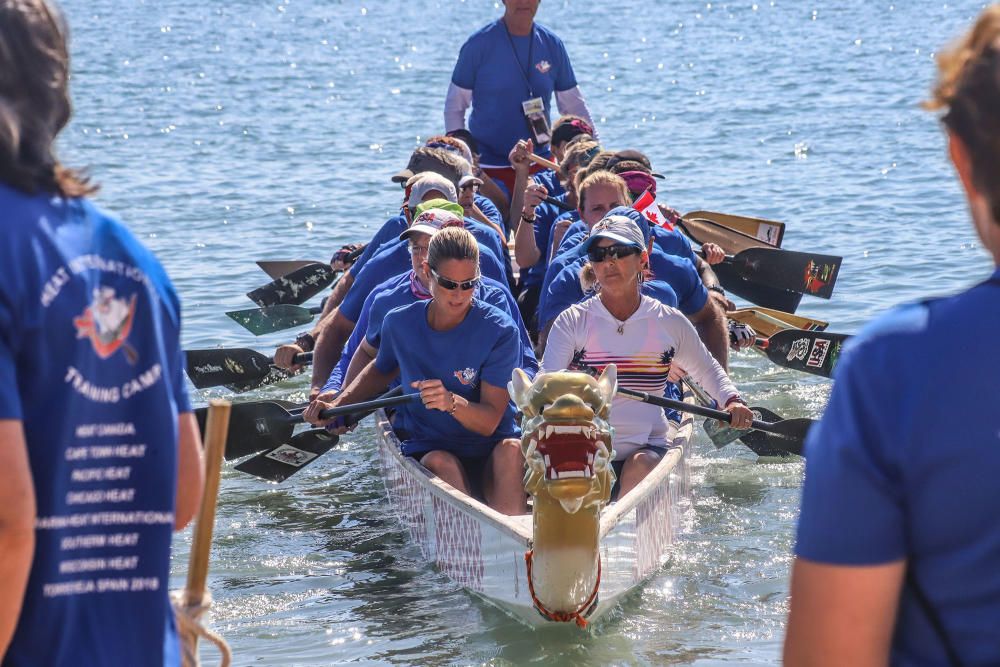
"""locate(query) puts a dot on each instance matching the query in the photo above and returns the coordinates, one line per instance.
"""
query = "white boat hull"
(484, 551)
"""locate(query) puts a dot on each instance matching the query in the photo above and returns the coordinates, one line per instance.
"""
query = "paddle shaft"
(694, 409)
(561, 205)
(366, 406)
(548, 164)
(215, 444)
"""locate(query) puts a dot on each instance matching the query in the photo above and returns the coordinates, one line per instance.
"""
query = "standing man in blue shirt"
(899, 534)
(507, 72)
(99, 452)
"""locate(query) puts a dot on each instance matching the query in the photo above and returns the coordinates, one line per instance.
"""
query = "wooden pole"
(216, 428)
(548, 164)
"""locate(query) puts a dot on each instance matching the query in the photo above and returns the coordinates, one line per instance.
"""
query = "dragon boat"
(577, 553)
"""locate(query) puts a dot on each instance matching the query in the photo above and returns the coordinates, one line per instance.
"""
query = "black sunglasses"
(616, 251)
(452, 285)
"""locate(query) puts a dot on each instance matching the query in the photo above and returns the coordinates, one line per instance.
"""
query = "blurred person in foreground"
(899, 535)
(99, 453)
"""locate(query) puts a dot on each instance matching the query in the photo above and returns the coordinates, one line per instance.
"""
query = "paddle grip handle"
(693, 409)
(561, 205)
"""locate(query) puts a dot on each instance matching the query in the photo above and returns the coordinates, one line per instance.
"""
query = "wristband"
(717, 288)
(454, 405)
(528, 220)
(736, 399)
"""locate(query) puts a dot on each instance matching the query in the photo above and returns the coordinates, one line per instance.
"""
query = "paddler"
(458, 353)
(899, 534)
(643, 337)
(100, 457)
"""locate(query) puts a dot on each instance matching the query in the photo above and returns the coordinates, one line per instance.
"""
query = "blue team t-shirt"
(90, 363)
(389, 231)
(904, 465)
(494, 65)
(484, 347)
(393, 259)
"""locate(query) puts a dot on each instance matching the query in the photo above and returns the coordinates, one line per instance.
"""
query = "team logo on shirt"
(466, 376)
(107, 322)
(543, 66)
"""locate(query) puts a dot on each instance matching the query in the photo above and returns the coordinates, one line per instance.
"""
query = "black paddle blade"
(276, 268)
(295, 288)
(260, 321)
(766, 445)
(814, 352)
(762, 295)
(254, 427)
(804, 272)
(283, 461)
(216, 367)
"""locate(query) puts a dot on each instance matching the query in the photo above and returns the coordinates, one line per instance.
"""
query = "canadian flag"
(646, 204)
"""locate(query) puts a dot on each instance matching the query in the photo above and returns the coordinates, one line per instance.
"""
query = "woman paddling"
(458, 353)
(899, 535)
(644, 338)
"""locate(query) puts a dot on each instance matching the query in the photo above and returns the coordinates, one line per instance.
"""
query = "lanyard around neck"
(525, 71)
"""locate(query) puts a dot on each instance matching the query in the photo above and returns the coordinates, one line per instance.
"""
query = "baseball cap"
(449, 165)
(420, 184)
(429, 222)
(469, 178)
(617, 228)
(635, 216)
(570, 129)
(442, 204)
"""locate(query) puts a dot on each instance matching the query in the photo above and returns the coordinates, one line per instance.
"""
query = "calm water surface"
(229, 132)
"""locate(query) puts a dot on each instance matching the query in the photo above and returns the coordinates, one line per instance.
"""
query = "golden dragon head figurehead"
(566, 438)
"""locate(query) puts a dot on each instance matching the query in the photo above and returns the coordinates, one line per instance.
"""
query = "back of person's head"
(968, 89)
(452, 243)
(601, 177)
(34, 98)
(567, 127)
(447, 163)
(451, 144)
(578, 156)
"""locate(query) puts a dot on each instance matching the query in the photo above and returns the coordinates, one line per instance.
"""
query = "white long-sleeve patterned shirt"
(643, 347)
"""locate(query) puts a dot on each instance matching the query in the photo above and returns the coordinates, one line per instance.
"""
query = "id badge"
(534, 112)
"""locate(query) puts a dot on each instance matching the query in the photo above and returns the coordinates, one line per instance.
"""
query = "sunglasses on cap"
(450, 285)
(598, 254)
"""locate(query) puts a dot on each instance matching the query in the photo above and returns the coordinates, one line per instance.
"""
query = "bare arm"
(842, 615)
(190, 470)
(711, 325)
(370, 381)
(522, 168)
(330, 334)
(17, 526)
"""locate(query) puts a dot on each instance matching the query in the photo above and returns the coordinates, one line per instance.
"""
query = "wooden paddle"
(260, 321)
(237, 367)
(259, 425)
(768, 322)
(548, 164)
(702, 231)
(802, 272)
(276, 268)
(192, 603)
(295, 288)
(769, 232)
(791, 432)
(814, 352)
